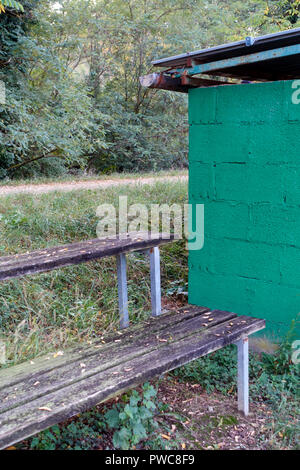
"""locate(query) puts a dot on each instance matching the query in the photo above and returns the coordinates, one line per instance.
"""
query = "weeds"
(52, 311)
(129, 424)
(274, 380)
(133, 421)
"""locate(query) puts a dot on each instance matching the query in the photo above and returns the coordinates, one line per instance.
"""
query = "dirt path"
(89, 184)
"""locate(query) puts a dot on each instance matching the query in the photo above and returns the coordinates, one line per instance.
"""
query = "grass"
(67, 178)
(52, 311)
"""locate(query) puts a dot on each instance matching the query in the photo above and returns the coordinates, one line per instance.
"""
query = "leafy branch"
(10, 4)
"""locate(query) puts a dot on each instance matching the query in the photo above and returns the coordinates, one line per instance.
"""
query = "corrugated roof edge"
(267, 42)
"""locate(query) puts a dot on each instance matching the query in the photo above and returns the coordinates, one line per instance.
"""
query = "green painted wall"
(245, 168)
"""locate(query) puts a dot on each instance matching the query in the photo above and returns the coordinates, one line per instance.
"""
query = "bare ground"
(212, 421)
(195, 420)
(88, 184)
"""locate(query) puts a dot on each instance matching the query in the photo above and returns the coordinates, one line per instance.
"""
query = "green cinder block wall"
(244, 166)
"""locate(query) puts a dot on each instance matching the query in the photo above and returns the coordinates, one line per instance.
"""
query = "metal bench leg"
(122, 290)
(243, 375)
(155, 281)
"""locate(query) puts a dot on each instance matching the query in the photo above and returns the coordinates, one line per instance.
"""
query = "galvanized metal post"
(122, 290)
(155, 281)
(243, 375)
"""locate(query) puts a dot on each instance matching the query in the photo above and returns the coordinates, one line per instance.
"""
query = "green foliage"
(133, 421)
(71, 70)
(214, 372)
(10, 4)
(283, 11)
(82, 434)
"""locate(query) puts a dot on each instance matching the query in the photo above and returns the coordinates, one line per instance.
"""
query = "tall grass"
(51, 311)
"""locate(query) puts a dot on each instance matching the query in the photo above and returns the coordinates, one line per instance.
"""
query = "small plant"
(177, 288)
(133, 422)
(82, 434)
(216, 371)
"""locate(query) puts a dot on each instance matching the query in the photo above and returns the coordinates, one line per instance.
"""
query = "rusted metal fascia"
(197, 68)
(181, 84)
(163, 82)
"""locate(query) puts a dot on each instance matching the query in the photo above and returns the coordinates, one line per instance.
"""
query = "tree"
(71, 69)
(283, 11)
(45, 124)
(10, 4)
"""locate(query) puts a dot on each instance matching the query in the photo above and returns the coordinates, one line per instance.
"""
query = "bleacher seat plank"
(128, 360)
(121, 349)
(13, 375)
(44, 260)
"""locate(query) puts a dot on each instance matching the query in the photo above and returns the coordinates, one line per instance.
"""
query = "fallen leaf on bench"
(45, 408)
(58, 353)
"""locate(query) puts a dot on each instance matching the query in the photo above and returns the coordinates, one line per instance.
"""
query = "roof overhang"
(265, 58)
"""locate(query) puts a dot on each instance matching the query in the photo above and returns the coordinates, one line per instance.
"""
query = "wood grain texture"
(75, 253)
(89, 375)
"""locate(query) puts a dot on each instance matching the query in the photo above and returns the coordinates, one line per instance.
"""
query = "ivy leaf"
(121, 439)
(112, 418)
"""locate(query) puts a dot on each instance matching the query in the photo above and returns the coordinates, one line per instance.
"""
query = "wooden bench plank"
(20, 422)
(15, 374)
(75, 253)
(120, 350)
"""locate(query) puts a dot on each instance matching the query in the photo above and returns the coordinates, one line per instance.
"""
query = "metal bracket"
(155, 285)
(243, 375)
(155, 281)
(249, 41)
(122, 290)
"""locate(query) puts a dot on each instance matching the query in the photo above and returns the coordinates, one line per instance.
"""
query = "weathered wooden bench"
(52, 388)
